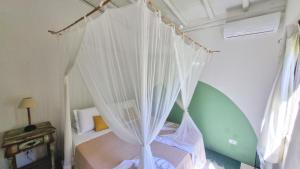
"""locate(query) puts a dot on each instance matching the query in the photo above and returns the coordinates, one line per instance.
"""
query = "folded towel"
(134, 164)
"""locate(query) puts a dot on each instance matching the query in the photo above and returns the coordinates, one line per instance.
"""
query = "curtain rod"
(151, 7)
(99, 7)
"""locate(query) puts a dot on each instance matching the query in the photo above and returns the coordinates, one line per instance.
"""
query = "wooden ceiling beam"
(234, 14)
(246, 4)
(111, 4)
(209, 10)
(175, 12)
(132, 1)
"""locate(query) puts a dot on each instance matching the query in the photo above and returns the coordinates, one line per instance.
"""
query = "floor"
(44, 163)
(221, 160)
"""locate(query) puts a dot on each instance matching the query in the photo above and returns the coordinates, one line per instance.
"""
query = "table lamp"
(28, 103)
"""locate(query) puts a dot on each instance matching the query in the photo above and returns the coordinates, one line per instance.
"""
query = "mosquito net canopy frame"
(134, 67)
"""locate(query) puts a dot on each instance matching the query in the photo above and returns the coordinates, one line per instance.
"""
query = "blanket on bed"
(108, 151)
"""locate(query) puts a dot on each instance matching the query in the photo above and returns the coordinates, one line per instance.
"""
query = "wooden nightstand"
(16, 141)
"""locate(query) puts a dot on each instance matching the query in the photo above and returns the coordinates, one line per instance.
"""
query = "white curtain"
(128, 62)
(188, 136)
(190, 63)
(281, 109)
(69, 44)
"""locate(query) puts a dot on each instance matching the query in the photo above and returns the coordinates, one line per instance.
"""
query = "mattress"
(107, 151)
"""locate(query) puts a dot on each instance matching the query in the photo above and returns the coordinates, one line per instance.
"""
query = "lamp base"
(29, 128)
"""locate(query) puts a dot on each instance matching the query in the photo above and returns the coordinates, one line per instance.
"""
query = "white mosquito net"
(188, 136)
(134, 66)
(190, 64)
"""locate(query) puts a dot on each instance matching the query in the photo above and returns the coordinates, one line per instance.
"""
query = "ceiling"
(201, 14)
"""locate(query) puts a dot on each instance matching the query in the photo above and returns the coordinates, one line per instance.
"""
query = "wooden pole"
(151, 7)
(82, 18)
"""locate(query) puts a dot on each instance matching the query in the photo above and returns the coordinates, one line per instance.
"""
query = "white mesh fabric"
(127, 60)
(188, 136)
(70, 43)
(190, 64)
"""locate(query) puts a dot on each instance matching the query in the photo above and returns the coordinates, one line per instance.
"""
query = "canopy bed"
(134, 66)
(107, 151)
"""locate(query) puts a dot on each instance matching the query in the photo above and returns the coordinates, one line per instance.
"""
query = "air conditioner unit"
(252, 26)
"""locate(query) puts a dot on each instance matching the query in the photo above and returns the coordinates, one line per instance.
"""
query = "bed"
(104, 150)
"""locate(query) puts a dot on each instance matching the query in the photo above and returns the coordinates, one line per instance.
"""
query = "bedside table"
(16, 141)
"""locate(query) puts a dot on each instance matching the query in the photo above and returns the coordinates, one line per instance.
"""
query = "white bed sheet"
(78, 139)
(81, 138)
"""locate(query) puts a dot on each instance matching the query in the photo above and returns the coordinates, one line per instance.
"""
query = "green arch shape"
(219, 120)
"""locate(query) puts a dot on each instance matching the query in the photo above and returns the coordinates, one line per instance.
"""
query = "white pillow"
(84, 119)
(75, 123)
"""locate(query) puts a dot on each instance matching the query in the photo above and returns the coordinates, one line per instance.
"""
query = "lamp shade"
(28, 102)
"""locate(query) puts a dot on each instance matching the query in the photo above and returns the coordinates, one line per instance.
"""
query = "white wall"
(244, 70)
(292, 12)
(30, 62)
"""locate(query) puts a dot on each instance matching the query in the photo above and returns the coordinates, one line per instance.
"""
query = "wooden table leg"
(52, 153)
(12, 162)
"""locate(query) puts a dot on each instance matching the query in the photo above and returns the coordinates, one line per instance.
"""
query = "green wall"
(219, 120)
